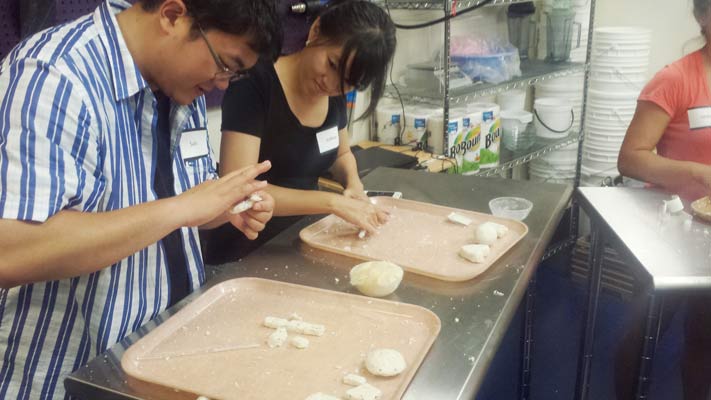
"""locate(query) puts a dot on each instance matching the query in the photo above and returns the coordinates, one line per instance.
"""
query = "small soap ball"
(486, 233)
(376, 278)
(501, 230)
(385, 362)
(475, 253)
(674, 205)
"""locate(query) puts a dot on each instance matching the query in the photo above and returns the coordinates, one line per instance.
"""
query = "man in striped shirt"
(106, 174)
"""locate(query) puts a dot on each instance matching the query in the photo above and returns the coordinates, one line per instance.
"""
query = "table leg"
(527, 343)
(649, 346)
(582, 384)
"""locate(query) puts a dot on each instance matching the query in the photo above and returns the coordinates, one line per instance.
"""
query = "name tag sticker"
(699, 117)
(327, 139)
(193, 144)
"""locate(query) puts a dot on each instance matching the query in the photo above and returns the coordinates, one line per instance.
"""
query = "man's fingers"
(238, 191)
(249, 172)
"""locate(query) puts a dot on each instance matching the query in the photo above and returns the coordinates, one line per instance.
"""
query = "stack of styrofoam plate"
(557, 166)
(608, 115)
(620, 58)
(569, 88)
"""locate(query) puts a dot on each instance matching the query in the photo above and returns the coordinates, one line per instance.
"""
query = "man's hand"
(212, 199)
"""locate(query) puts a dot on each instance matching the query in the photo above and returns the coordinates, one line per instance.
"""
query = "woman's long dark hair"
(701, 12)
(367, 34)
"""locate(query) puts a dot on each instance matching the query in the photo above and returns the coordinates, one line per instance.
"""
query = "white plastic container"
(515, 133)
(553, 117)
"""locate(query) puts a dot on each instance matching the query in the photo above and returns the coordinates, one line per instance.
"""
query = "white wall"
(675, 32)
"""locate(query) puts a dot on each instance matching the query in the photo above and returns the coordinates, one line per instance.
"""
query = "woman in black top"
(293, 113)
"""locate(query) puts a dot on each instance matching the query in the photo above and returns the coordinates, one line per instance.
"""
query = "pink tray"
(418, 237)
(216, 345)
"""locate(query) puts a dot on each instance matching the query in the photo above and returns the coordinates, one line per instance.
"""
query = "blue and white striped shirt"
(77, 131)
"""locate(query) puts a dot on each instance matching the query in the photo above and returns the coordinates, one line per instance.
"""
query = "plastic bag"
(490, 60)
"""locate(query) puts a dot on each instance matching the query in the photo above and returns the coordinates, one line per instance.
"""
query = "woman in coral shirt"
(674, 116)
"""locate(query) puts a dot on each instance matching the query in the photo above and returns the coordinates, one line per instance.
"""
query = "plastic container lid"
(522, 116)
(521, 9)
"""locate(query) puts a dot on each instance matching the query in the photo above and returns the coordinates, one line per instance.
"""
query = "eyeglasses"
(224, 71)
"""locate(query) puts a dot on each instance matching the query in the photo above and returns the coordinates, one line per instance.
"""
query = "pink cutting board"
(418, 237)
(216, 345)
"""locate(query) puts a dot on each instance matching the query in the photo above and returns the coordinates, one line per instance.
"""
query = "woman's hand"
(355, 192)
(253, 221)
(361, 213)
(702, 177)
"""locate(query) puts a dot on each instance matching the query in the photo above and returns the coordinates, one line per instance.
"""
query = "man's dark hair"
(367, 34)
(257, 19)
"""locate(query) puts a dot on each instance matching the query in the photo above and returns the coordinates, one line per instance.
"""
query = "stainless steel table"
(474, 318)
(668, 254)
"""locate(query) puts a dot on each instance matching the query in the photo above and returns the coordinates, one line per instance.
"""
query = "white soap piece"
(299, 342)
(501, 230)
(361, 234)
(202, 398)
(674, 205)
(363, 392)
(245, 205)
(476, 253)
(295, 316)
(354, 380)
(277, 338)
(305, 328)
(459, 219)
(485, 234)
(385, 362)
(274, 322)
(322, 396)
(376, 278)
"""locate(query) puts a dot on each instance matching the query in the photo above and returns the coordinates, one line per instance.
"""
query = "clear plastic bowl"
(510, 207)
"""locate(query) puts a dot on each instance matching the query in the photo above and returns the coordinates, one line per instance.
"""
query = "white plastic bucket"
(618, 75)
(624, 34)
(599, 154)
(613, 96)
(595, 174)
(607, 145)
(622, 65)
(611, 135)
(609, 114)
(553, 117)
(615, 84)
(514, 100)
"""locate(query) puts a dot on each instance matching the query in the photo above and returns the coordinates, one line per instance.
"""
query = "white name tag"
(699, 117)
(327, 139)
(193, 144)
